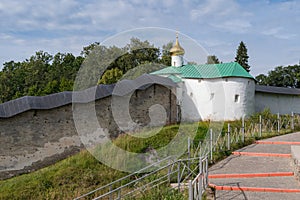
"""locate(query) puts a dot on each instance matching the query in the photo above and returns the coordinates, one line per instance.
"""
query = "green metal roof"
(175, 79)
(232, 69)
(168, 70)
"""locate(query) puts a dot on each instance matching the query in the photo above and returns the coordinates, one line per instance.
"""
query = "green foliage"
(288, 76)
(41, 74)
(142, 69)
(166, 57)
(44, 74)
(262, 79)
(111, 76)
(212, 59)
(242, 56)
(265, 114)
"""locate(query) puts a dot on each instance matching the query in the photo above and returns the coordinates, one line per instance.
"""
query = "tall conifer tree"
(242, 56)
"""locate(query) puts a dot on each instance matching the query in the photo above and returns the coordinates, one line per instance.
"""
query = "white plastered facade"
(227, 98)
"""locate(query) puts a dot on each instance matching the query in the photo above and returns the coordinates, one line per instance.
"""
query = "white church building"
(223, 91)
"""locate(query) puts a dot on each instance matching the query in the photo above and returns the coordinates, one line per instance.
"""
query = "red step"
(262, 154)
(254, 189)
(273, 174)
(277, 142)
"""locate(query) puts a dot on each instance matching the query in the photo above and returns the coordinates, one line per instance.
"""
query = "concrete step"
(279, 182)
(235, 164)
(244, 195)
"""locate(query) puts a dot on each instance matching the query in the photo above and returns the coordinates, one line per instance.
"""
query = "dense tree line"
(41, 74)
(288, 76)
(44, 74)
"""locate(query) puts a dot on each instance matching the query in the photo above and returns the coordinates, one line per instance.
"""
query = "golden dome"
(176, 49)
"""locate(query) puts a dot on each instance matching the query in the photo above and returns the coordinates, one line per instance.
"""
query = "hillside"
(82, 173)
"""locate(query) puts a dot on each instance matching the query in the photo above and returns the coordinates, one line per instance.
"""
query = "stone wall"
(36, 138)
(295, 151)
(277, 103)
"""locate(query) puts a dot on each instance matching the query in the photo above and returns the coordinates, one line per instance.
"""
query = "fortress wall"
(277, 103)
(37, 138)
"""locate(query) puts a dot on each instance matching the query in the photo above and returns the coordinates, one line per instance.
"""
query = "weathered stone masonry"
(36, 138)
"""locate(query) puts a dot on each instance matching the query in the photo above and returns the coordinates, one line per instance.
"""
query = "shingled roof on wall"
(124, 87)
(277, 90)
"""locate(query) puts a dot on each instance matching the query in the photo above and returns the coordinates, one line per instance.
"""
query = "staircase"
(259, 171)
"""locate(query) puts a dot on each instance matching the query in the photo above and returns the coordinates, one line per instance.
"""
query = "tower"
(177, 53)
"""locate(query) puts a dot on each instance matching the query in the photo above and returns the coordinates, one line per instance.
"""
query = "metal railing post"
(189, 152)
(292, 121)
(200, 165)
(111, 195)
(200, 187)
(228, 137)
(200, 149)
(119, 194)
(211, 144)
(206, 172)
(243, 128)
(169, 171)
(191, 193)
(260, 126)
(178, 176)
(278, 123)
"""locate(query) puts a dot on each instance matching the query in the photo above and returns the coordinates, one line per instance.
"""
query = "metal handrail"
(202, 154)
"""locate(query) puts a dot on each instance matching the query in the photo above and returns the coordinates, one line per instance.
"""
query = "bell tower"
(177, 53)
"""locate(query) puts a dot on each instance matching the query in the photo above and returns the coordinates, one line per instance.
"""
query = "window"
(191, 94)
(211, 96)
(236, 98)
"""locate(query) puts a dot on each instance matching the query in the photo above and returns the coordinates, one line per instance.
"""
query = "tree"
(166, 56)
(242, 56)
(212, 59)
(288, 76)
(88, 49)
(262, 79)
(43, 74)
(111, 76)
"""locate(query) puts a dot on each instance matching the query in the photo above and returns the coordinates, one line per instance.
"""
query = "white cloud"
(234, 25)
(68, 25)
(276, 33)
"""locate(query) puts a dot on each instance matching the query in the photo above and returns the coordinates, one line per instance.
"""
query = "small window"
(211, 96)
(236, 98)
(191, 94)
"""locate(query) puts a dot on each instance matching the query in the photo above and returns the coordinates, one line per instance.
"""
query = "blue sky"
(270, 29)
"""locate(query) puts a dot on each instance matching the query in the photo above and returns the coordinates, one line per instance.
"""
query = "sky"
(269, 28)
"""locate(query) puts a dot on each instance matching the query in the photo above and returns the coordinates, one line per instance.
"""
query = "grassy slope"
(82, 173)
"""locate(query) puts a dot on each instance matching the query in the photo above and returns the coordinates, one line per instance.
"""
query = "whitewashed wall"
(278, 103)
(214, 99)
(177, 61)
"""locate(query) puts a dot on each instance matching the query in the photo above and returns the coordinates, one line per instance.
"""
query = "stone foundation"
(295, 150)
